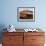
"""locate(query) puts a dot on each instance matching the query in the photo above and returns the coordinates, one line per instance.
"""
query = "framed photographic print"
(26, 14)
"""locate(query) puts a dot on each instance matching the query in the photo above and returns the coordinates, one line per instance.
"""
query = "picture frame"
(26, 14)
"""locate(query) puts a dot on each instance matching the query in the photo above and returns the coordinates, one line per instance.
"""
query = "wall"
(9, 13)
